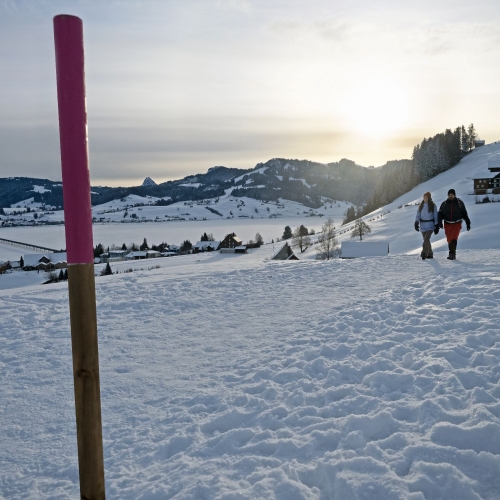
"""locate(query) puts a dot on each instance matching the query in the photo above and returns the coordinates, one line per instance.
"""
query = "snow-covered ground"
(235, 377)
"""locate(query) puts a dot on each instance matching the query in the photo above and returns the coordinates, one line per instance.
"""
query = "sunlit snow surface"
(233, 378)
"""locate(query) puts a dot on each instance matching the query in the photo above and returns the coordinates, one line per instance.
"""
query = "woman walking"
(426, 222)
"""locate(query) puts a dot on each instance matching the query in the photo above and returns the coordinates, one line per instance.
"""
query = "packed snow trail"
(371, 378)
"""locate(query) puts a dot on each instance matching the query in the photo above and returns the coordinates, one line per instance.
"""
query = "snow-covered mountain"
(300, 181)
(149, 182)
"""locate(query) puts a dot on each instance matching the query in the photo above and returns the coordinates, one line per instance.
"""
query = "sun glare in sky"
(377, 108)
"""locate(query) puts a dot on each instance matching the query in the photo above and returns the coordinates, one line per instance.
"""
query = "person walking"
(451, 212)
(427, 222)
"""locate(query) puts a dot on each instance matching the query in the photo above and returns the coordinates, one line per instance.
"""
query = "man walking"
(451, 212)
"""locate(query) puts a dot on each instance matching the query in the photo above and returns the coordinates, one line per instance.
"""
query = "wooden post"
(68, 35)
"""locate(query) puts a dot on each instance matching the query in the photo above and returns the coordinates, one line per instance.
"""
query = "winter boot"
(454, 248)
(423, 256)
(430, 256)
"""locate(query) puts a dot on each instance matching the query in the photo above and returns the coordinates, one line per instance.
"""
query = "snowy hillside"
(394, 222)
(234, 377)
(134, 209)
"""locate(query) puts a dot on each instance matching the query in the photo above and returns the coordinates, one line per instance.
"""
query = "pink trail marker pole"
(68, 36)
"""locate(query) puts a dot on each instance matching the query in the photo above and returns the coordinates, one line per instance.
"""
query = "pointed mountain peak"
(149, 182)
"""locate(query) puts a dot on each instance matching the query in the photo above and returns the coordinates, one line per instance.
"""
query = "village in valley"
(293, 244)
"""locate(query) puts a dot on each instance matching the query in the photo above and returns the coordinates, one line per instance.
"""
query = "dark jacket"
(453, 211)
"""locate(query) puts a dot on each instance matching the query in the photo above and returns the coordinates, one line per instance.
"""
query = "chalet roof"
(285, 253)
(482, 175)
(118, 252)
(139, 253)
(33, 259)
(234, 237)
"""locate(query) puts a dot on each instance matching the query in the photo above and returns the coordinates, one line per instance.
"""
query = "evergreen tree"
(21, 262)
(124, 247)
(287, 233)
(472, 136)
(66, 274)
(144, 245)
(98, 250)
(61, 275)
(350, 215)
(186, 246)
(303, 230)
(107, 270)
(465, 140)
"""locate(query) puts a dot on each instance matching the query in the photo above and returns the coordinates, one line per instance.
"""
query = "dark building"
(231, 241)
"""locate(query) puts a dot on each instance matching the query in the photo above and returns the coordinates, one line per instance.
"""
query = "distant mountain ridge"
(302, 181)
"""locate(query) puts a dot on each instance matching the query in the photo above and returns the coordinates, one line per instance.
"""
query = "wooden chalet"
(231, 241)
(484, 183)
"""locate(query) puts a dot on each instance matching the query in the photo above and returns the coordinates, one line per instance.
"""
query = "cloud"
(30, 152)
(159, 150)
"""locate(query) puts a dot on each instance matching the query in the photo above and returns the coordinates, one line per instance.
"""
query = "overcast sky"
(175, 87)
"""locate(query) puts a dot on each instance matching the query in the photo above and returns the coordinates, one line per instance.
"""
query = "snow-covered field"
(234, 377)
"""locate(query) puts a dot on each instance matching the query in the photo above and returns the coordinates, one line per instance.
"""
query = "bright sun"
(376, 109)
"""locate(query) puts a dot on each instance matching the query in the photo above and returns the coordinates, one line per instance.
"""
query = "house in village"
(206, 246)
(45, 262)
(232, 244)
(172, 250)
(113, 255)
(140, 254)
(285, 253)
(231, 241)
(484, 183)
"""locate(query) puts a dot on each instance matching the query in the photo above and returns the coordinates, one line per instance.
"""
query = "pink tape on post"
(68, 35)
